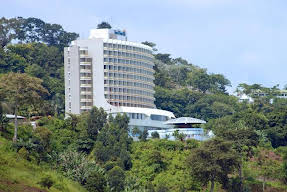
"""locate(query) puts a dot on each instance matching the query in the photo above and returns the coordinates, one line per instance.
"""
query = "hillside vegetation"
(94, 152)
(17, 174)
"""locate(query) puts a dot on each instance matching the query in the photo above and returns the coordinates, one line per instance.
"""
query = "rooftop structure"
(182, 121)
(188, 126)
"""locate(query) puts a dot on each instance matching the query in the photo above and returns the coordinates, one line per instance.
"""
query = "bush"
(116, 178)
(155, 135)
(76, 166)
(46, 181)
(96, 182)
(23, 153)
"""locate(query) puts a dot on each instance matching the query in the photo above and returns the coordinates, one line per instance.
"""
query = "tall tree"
(213, 161)
(243, 141)
(8, 30)
(96, 121)
(21, 90)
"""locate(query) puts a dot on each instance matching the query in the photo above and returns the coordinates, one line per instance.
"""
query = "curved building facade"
(128, 74)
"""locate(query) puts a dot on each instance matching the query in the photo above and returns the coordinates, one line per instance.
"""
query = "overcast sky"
(246, 40)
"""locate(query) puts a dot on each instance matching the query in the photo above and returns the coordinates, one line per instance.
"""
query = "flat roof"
(147, 111)
(184, 120)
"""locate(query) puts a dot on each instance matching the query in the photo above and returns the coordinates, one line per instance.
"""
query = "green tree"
(151, 44)
(178, 135)
(3, 118)
(243, 141)
(8, 30)
(116, 179)
(104, 25)
(164, 57)
(113, 143)
(213, 161)
(96, 182)
(200, 80)
(268, 167)
(143, 135)
(96, 121)
(155, 135)
(19, 90)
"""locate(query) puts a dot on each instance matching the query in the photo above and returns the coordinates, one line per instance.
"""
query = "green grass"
(18, 174)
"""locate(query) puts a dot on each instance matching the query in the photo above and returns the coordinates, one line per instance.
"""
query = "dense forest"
(94, 152)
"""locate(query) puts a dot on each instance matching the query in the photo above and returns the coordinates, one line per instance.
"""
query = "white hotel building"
(110, 72)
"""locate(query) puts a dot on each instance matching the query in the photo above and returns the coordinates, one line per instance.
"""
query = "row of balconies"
(125, 79)
(131, 102)
(131, 65)
(129, 58)
(129, 73)
(128, 51)
(131, 87)
(128, 94)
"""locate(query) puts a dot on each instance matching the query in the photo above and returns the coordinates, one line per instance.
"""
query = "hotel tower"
(108, 71)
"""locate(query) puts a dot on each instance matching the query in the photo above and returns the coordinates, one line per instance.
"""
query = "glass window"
(158, 117)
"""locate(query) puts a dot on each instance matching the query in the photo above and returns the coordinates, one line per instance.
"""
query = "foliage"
(143, 135)
(179, 136)
(156, 161)
(46, 181)
(104, 25)
(34, 30)
(213, 161)
(113, 142)
(75, 166)
(39, 53)
(116, 178)
(96, 182)
(151, 44)
(96, 122)
(18, 174)
(3, 119)
(155, 135)
(21, 90)
(185, 102)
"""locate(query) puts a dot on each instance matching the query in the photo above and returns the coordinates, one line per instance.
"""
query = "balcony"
(86, 93)
(85, 63)
(85, 71)
(86, 85)
(86, 107)
(84, 55)
(86, 100)
(85, 78)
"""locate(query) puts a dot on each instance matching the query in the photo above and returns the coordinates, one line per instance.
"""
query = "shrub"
(155, 135)
(76, 166)
(116, 178)
(23, 153)
(96, 182)
(46, 181)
